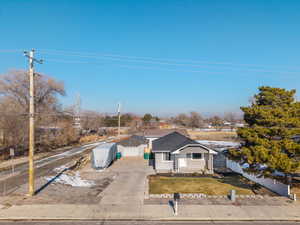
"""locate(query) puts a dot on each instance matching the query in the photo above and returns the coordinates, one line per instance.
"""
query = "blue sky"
(162, 57)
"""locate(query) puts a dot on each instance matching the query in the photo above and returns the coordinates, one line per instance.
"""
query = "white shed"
(133, 146)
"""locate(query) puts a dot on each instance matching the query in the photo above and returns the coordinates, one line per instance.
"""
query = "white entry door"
(181, 162)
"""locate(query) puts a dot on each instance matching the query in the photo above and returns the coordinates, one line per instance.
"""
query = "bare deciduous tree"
(15, 86)
(14, 104)
(195, 120)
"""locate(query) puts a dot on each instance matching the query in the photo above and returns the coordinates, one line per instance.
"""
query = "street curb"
(145, 219)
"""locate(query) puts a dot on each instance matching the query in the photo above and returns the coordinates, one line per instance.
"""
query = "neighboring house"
(226, 123)
(133, 146)
(178, 153)
(164, 125)
(153, 123)
(153, 134)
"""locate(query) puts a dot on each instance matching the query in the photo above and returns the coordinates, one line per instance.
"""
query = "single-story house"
(133, 146)
(178, 153)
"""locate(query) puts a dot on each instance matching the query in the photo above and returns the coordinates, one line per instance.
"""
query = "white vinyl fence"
(273, 185)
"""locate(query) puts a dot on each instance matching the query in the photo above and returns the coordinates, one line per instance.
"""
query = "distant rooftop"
(156, 133)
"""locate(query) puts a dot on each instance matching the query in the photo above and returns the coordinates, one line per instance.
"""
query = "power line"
(156, 60)
(173, 70)
(137, 67)
(159, 61)
(10, 51)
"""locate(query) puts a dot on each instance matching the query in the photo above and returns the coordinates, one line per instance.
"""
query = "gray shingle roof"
(134, 140)
(171, 142)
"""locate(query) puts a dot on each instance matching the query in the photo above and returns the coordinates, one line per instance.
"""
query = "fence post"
(294, 197)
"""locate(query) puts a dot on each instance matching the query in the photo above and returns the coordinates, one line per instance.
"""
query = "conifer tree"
(268, 140)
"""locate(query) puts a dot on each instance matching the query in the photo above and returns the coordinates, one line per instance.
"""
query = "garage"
(134, 146)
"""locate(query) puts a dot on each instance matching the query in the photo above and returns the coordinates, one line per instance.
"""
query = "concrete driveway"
(129, 184)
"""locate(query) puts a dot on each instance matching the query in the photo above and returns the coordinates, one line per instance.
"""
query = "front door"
(181, 162)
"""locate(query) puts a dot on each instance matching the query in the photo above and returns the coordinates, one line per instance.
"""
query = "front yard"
(205, 185)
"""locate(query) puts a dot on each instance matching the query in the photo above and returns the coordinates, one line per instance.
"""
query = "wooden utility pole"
(30, 55)
(119, 119)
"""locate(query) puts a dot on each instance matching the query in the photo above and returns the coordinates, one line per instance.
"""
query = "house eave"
(158, 151)
(210, 151)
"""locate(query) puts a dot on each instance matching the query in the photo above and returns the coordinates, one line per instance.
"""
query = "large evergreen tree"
(268, 142)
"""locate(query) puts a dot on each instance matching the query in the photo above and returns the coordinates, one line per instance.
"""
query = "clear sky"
(162, 56)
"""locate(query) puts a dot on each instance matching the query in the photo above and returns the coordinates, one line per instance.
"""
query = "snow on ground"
(73, 179)
(227, 144)
(60, 168)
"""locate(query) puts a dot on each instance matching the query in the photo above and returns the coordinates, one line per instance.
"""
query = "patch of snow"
(73, 180)
(60, 168)
(224, 144)
(214, 129)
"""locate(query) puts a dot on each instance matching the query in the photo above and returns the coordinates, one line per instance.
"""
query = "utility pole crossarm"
(28, 55)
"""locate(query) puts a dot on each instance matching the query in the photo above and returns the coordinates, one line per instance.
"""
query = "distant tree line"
(195, 120)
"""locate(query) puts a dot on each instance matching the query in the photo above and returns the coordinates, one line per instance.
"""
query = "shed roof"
(134, 140)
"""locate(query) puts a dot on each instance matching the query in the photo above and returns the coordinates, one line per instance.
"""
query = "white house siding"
(197, 165)
(273, 185)
(162, 165)
(131, 151)
(192, 165)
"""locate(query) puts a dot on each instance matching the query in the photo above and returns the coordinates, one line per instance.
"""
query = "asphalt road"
(42, 162)
(146, 223)
(43, 167)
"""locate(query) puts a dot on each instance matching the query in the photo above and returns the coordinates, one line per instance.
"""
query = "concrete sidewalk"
(152, 212)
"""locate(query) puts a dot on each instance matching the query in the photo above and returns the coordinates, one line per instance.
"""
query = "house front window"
(196, 156)
(166, 156)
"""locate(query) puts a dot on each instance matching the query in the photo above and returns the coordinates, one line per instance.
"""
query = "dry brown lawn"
(213, 135)
(204, 185)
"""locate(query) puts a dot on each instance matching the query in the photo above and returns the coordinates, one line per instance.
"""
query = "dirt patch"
(64, 193)
(61, 194)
